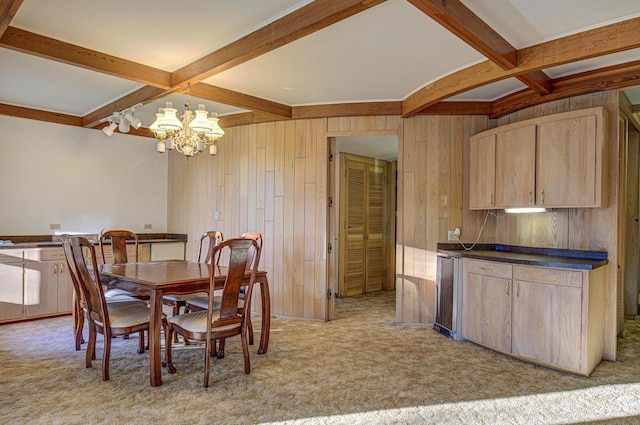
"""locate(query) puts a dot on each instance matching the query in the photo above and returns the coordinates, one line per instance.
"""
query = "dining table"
(158, 278)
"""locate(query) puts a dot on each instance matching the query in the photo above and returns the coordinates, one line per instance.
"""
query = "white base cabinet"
(549, 316)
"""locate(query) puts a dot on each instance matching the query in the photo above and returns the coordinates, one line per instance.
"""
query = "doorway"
(362, 185)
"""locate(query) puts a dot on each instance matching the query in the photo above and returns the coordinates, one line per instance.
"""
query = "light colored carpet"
(360, 368)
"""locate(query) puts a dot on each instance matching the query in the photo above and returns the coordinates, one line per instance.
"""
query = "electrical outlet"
(54, 226)
(216, 215)
(451, 235)
(148, 226)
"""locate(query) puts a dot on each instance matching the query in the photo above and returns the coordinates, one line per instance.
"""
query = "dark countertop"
(545, 257)
(52, 241)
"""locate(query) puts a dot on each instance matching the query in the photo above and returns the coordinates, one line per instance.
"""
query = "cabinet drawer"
(45, 254)
(548, 276)
(488, 268)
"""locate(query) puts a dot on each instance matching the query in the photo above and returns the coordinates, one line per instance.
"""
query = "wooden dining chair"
(118, 245)
(109, 319)
(200, 303)
(79, 307)
(208, 240)
(223, 317)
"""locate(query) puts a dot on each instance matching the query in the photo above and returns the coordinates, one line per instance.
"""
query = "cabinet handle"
(531, 197)
(61, 268)
(506, 287)
(55, 268)
(517, 290)
(491, 200)
(542, 197)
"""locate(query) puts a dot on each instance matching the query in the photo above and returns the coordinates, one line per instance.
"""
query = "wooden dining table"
(159, 278)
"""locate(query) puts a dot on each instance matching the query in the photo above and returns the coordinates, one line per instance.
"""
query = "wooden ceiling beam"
(49, 48)
(601, 41)
(538, 81)
(347, 110)
(459, 108)
(240, 100)
(39, 115)
(8, 9)
(467, 26)
(612, 77)
(144, 95)
(299, 23)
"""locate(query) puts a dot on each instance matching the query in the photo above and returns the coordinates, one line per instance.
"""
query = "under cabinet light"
(524, 210)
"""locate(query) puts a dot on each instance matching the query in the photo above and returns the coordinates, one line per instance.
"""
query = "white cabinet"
(48, 289)
(545, 315)
(11, 290)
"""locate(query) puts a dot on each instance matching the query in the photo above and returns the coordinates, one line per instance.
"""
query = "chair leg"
(167, 351)
(207, 360)
(250, 328)
(106, 352)
(176, 311)
(141, 343)
(91, 346)
(220, 352)
(78, 323)
(245, 352)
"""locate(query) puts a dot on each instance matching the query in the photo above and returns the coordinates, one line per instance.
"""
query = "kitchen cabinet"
(544, 315)
(551, 161)
(48, 289)
(486, 301)
(11, 280)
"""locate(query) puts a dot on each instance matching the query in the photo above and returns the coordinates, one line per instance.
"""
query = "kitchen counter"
(52, 241)
(543, 257)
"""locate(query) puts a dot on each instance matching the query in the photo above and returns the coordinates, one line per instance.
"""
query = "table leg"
(155, 324)
(266, 316)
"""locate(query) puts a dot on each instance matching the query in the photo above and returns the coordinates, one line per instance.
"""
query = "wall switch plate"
(148, 226)
(216, 215)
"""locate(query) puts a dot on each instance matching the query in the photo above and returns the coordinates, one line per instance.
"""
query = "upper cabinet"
(552, 161)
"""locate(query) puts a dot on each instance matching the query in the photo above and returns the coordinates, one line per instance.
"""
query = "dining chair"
(79, 308)
(208, 240)
(109, 319)
(200, 303)
(223, 317)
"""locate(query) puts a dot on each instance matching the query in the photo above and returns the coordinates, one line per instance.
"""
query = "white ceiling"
(382, 54)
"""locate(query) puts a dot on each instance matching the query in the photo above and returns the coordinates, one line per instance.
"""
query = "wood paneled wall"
(431, 200)
(269, 178)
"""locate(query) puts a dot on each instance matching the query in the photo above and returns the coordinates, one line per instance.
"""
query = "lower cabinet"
(48, 288)
(11, 291)
(549, 316)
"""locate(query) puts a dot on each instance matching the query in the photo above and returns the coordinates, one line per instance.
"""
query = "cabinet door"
(40, 288)
(10, 287)
(482, 160)
(516, 167)
(65, 288)
(486, 317)
(566, 163)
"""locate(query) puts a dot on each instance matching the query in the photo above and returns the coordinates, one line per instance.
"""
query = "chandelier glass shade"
(190, 135)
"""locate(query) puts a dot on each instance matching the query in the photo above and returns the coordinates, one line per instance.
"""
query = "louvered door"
(362, 205)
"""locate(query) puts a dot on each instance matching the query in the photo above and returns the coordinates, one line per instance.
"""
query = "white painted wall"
(80, 178)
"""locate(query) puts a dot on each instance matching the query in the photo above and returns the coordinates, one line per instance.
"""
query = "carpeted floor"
(360, 368)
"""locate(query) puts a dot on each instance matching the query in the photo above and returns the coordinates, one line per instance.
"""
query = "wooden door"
(515, 167)
(362, 216)
(482, 167)
(566, 163)
(547, 323)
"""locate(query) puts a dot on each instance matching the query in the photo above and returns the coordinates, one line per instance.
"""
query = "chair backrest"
(71, 266)
(239, 250)
(91, 286)
(252, 253)
(118, 244)
(214, 237)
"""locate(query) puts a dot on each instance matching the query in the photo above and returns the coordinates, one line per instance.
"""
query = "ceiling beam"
(467, 26)
(39, 115)
(608, 78)
(601, 41)
(144, 95)
(229, 97)
(459, 108)
(8, 9)
(347, 110)
(299, 23)
(463, 23)
(49, 48)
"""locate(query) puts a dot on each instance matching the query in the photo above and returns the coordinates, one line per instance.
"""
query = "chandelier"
(190, 135)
